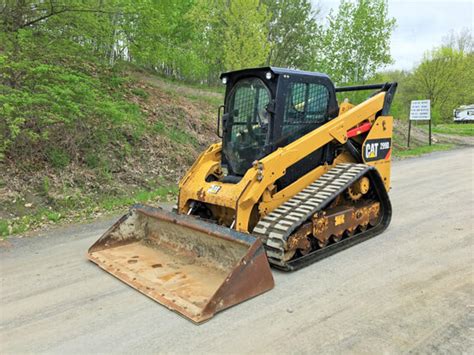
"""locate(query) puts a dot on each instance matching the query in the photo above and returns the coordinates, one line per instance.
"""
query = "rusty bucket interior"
(190, 266)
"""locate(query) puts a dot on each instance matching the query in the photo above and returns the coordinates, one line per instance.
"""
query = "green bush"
(64, 114)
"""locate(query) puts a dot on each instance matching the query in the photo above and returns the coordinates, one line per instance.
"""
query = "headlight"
(224, 80)
(268, 75)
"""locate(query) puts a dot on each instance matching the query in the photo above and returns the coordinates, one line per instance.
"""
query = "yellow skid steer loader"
(296, 178)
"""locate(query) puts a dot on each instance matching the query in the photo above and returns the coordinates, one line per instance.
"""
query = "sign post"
(420, 110)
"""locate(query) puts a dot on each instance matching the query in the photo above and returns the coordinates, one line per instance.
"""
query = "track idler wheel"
(358, 188)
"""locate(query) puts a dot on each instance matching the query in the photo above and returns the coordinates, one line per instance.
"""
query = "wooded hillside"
(100, 98)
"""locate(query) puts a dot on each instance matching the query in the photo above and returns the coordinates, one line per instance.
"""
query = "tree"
(292, 32)
(446, 77)
(463, 41)
(245, 36)
(356, 41)
(208, 22)
(231, 34)
(88, 24)
(162, 37)
(55, 97)
(405, 90)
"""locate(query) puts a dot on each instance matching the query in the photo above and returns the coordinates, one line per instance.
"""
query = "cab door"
(304, 108)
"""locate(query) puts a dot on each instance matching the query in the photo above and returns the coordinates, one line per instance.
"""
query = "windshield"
(246, 124)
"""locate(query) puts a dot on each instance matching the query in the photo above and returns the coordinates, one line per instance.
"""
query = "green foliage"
(401, 104)
(160, 193)
(245, 35)
(230, 35)
(356, 41)
(65, 100)
(92, 160)
(195, 40)
(58, 105)
(163, 36)
(292, 33)
(58, 99)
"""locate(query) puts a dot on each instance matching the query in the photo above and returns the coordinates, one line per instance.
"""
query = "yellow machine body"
(238, 201)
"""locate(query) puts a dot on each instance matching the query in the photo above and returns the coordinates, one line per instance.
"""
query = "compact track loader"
(297, 177)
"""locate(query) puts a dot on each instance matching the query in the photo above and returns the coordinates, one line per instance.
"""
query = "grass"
(181, 137)
(4, 228)
(141, 196)
(217, 87)
(459, 129)
(175, 134)
(122, 121)
(210, 100)
(74, 213)
(466, 129)
(140, 92)
(53, 216)
(424, 149)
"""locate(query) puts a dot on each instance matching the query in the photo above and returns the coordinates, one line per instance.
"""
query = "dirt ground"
(410, 289)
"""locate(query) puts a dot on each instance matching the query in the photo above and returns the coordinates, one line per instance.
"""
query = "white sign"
(420, 110)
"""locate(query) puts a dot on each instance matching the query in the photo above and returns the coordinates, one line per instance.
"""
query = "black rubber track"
(318, 254)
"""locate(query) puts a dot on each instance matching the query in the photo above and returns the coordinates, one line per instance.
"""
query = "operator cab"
(267, 108)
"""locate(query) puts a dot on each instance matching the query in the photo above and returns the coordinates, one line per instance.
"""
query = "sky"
(421, 25)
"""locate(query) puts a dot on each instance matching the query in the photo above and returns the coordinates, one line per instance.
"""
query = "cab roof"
(276, 71)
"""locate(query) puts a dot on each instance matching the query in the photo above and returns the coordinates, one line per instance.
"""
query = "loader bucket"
(188, 265)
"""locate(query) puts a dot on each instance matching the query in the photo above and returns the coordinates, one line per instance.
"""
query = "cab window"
(306, 108)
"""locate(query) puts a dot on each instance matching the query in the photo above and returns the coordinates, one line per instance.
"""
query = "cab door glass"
(247, 124)
(306, 108)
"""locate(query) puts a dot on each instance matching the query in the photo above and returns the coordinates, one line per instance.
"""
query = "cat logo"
(371, 150)
(377, 149)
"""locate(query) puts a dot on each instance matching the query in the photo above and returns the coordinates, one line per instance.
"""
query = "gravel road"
(408, 290)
